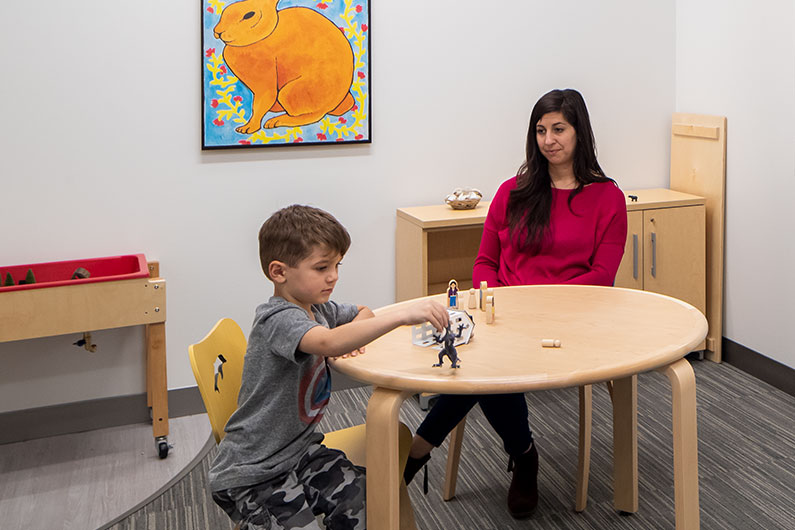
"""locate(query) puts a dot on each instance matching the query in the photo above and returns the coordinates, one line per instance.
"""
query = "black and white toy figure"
(448, 346)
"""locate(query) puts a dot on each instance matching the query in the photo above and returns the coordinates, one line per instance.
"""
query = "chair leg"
(584, 449)
(625, 444)
(453, 458)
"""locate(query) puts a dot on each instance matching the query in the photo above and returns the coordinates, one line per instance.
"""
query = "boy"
(271, 470)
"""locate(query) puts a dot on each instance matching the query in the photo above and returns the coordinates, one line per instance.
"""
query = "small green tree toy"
(29, 278)
(9, 280)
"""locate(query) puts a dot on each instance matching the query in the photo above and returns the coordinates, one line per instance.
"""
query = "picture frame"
(285, 73)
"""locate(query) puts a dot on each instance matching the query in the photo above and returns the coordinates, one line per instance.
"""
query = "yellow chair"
(226, 344)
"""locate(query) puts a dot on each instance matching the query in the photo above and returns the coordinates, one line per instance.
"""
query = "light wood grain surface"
(605, 332)
(441, 215)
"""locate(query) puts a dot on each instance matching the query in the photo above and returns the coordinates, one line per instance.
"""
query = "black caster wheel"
(162, 447)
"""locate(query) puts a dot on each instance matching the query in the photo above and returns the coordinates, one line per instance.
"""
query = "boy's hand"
(354, 353)
(427, 311)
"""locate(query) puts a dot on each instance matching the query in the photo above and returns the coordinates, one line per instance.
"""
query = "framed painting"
(285, 73)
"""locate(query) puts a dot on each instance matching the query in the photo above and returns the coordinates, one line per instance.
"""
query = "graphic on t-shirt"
(314, 392)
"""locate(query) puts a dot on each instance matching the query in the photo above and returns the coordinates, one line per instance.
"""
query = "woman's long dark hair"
(530, 203)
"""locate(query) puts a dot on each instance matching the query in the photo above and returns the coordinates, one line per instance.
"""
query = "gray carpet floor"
(746, 463)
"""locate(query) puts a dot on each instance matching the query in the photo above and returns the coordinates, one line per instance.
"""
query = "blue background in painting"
(223, 136)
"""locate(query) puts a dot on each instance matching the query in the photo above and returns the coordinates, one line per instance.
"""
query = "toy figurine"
(448, 346)
(482, 295)
(80, 273)
(29, 278)
(452, 294)
(473, 299)
(9, 280)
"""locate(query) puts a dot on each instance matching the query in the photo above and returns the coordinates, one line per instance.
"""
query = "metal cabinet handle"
(653, 254)
(635, 256)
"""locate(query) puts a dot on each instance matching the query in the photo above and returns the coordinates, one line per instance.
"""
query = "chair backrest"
(217, 362)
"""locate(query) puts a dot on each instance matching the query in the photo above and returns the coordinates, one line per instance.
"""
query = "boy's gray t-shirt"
(283, 394)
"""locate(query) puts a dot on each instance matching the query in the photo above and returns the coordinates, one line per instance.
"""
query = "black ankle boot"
(412, 466)
(523, 493)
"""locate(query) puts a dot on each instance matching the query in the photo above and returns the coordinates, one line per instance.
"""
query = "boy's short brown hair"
(290, 235)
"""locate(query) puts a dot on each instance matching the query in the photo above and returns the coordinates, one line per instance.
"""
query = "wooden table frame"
(44, 312)
(383, 506)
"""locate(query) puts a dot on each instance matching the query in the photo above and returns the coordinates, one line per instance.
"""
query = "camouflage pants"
(324, 483)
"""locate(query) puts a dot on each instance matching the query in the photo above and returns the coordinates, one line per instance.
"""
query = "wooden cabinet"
(665, 250)
(434, 244)
(666, 246)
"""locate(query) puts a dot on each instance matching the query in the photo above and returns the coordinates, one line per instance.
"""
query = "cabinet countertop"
(442, 216)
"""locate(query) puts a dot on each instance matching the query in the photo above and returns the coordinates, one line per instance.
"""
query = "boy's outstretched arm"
(360, 331)
(364, 312)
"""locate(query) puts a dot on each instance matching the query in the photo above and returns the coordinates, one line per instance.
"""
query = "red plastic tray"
(57, 273)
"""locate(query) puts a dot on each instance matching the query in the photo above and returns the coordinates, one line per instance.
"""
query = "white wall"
(101, 151)
(737, 59)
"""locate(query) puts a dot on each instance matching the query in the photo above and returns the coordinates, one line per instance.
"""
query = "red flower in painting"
(210, 10)
(209, 52)
(355, 108)
(222, 69)
(321, 5)
(339, 139)
(321, 136)
(218, 122)
(342, 29)
(244, 142)
(238, 98)
(298, 140)
(214, 103)
(360, 74)
(343, 120)
(364, 27)
(358, 9)
(358, 137)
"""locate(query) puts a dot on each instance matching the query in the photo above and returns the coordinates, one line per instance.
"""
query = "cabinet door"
(675, 253)
(630, 271)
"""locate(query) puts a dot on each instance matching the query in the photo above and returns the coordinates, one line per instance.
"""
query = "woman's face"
(556, 138)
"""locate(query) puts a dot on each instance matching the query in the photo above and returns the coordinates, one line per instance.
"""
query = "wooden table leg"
(383, 462)
(625, 444)
(683, 390)
(156, 384)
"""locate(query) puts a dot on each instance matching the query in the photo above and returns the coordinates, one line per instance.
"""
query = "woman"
(560, 220)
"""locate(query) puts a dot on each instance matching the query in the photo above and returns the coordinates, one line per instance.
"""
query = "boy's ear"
(277, 271)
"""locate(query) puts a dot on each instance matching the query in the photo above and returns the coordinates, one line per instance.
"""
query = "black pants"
(507, 414)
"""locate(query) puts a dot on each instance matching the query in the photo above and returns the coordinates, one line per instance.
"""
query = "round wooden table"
(605, 333)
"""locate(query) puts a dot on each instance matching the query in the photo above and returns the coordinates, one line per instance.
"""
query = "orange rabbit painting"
(286, 72)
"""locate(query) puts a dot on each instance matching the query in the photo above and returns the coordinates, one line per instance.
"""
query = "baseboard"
(763, 368)
(81, 416)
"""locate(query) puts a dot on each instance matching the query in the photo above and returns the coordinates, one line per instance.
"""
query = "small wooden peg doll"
(489, 310)
(482, 295)
(473, 299)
